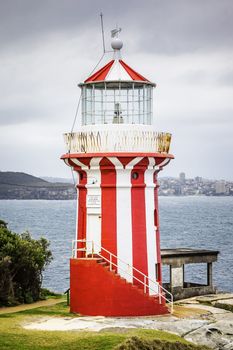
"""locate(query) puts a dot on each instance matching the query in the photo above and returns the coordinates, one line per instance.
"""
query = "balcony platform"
(116, 138)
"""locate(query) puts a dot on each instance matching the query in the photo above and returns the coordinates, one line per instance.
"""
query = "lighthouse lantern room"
(115, 269)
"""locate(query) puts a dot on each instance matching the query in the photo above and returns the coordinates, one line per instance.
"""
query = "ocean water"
(195, 222)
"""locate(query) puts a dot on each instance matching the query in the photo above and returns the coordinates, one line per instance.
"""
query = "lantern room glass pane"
(117, 103)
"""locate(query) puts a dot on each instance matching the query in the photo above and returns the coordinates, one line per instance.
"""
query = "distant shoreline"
(22, 186)
(74, 199)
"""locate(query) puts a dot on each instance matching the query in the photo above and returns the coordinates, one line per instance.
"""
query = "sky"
(184, 46)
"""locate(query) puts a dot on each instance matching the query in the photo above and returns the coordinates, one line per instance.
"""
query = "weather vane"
(115, 32)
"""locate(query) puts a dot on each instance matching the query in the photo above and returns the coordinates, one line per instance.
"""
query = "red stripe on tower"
(139, 244)
(108, 205)
(156, 203)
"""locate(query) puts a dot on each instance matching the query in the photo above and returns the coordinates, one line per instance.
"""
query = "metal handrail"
(111, 255)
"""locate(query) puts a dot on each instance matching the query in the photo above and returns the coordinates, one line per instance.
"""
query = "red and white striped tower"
(116, 265)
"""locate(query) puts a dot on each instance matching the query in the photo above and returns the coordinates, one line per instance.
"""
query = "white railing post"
(145, 284)
(92, 249)
(159, 294)
(110, 262)
(72, 253)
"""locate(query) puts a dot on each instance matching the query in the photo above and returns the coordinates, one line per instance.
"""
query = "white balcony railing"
(110, 141)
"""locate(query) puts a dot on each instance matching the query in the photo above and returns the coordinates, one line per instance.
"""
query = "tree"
(22, 262)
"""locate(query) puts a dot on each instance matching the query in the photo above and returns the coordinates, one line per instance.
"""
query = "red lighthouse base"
(96, 291)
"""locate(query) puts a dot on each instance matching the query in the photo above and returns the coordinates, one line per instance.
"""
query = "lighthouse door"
(94, 233)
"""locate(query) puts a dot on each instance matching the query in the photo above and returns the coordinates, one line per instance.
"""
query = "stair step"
(95, 256)
(139, 290)
(123, 280)
(103, 263)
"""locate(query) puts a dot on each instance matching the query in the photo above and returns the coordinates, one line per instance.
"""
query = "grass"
(60, 309)
(13, 336)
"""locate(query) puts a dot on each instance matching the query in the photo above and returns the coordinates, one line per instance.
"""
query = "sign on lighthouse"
(115, 269)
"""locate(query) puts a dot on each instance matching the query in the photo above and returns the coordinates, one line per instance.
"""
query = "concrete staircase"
(96, 290)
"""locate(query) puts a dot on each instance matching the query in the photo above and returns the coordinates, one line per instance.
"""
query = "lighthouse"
(117, 153)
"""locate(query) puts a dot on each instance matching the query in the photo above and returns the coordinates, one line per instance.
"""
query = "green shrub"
(22, 261)
(45, 293)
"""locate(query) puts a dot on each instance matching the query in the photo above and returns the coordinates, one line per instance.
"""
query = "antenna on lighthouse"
(102, 30)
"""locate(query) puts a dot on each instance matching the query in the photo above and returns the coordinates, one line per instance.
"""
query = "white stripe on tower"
(150, 225)
(77, 210)
(133, 162)
(124, 222)
(94, 209)
(124, 219)
(124, 216)
(95, 170)
(77, 162)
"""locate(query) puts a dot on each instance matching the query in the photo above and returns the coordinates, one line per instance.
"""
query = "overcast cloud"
(185, 46)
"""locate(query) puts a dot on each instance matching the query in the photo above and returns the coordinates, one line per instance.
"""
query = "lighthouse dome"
(116, 93)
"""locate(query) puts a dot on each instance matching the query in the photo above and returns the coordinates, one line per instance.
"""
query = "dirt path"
(48, 302)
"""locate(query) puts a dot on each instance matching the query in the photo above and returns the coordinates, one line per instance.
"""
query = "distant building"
(220, 187)
(193, 187)
(182, 178)
(198, 179)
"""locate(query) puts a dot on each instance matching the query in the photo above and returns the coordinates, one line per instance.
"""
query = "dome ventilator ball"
(116, 44)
